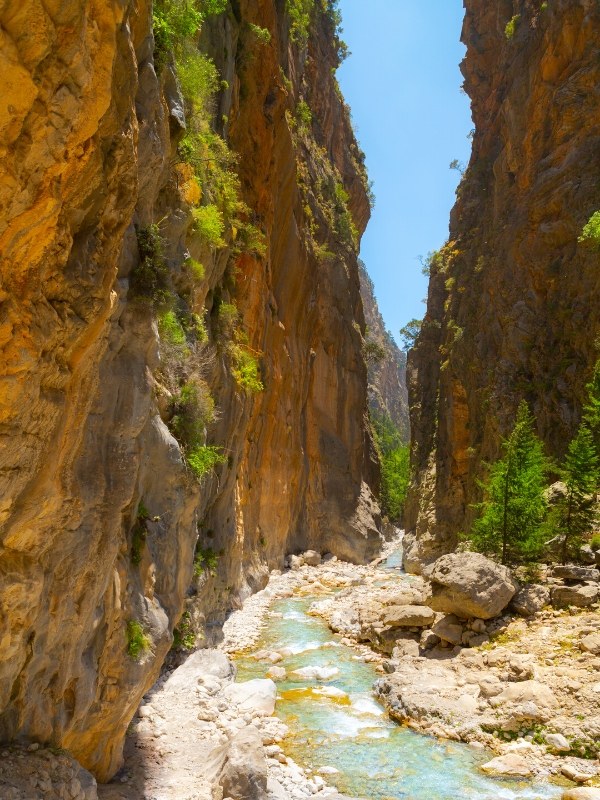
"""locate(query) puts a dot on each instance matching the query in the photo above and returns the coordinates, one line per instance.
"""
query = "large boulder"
(582, 793)
(470, 585)
(408, 617)
(258, 695)
(572, 572)
(530, 599)
(244, 772)
(581, 596)
(312, 558)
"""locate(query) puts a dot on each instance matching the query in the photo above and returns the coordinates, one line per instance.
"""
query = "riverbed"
(337, 726)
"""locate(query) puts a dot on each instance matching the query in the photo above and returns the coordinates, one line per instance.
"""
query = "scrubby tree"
(575, 513)
(394, 456)
(591, 410)
(514, 505)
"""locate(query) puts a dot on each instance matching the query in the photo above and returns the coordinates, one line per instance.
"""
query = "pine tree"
(575, 513)
(591, 410)
(514, 506)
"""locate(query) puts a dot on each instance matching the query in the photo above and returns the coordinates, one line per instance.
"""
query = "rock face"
(513, 303)
(470, 585)
(100, 514)
(386, 363)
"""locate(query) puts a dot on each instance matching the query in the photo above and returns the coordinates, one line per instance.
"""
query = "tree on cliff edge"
(513, 508)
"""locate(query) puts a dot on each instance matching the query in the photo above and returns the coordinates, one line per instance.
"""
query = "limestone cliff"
(513, 307)
(386, 363)
(106, 228)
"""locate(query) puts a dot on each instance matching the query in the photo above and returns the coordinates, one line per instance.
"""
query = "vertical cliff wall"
(386, 363)
(513, 308)
(102, 515)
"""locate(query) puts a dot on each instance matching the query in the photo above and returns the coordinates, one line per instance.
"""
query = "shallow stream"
(335, 721)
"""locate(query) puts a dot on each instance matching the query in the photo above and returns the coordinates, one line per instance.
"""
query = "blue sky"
(402, 82)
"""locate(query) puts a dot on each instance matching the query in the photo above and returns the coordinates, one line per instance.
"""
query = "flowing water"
(335, 721)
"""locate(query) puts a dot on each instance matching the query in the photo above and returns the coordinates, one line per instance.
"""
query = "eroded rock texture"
(513, 307)
(88, 136)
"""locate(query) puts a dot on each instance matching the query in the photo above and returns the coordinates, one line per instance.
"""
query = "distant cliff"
(514, 298)
(386, 363)
(183, 392)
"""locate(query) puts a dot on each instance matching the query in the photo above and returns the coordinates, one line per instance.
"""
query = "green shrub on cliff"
(591, 231)
(514, 506)
(511, 26)
(149, 280)
(137, 641)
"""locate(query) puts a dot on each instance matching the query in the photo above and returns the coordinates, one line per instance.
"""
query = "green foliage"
(374, 351)
(184, 637)
(172, 22)
(410, 332)
(203, 459)
(192, 410)
(300, 13)
(205, 561)
(595, 542)
(575, 513)
(245, 368)
(176, 22)
(591, 410)
(171, 329)
(198, 77)
(149, 280)
(344, 224)
(513, 509)
(591, 231)
(137, 641)
(544, 6)
(209, 224)
(394, 456)
(262, 34)
(196, 269)
(511, 26)
(303, 116)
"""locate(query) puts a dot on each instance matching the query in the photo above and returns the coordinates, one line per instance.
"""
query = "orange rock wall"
(513, 310)
(88, 137)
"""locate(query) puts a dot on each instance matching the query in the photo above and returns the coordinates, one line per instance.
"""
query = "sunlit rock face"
(513, 308)
(388, 395)
(88, 136)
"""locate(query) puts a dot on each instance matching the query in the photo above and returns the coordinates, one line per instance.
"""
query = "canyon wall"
(514, 298)
(386, 363)
(106, 530)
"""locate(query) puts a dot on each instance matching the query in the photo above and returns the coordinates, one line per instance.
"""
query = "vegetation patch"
(184, 637)
(590, 234)
(138, 642)
(149, 281)
(511, 26)
(394, 456)
(205, 560)
(203, 459)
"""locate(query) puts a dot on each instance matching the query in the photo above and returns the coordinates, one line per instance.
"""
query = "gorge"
(193, 373)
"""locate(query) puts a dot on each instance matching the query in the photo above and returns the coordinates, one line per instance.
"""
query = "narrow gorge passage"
(210, 433)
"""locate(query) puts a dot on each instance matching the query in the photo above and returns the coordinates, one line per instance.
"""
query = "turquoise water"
(336, 722)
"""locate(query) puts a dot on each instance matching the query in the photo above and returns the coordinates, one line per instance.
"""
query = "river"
(336, 723)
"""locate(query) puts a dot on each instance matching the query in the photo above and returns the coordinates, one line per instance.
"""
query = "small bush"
(209, 224)
(303, 116)
(591, 231)
(193, 409)
(171, 329)
(172, 22)
(203, 459)
(595, 542)
(511, 26)
(137, 641)
(300, 13)
(198, 78)
(184, 637)
(262, 34)
(205, 561)
(196, 269)
(149, 280)
(245, 369)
